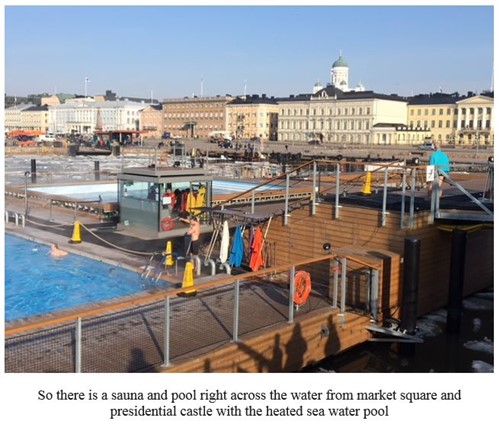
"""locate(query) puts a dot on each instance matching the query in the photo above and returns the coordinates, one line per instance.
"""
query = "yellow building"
(436, 113)
(36, 118)
(253, 116)
(454, 119)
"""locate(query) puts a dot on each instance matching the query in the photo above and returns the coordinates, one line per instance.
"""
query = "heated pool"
(36, 283)
(109, 191)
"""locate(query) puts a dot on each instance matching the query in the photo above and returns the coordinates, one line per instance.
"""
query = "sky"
(166, 51)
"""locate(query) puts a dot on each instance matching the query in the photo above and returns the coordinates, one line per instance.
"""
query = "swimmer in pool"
(55, 251)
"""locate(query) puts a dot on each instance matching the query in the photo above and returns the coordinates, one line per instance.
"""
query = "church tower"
(340, 74)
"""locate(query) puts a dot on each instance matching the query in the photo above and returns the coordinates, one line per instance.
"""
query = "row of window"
(448, 124)
(440, 111)
(325, 125)
(326, 111)
(193, 115)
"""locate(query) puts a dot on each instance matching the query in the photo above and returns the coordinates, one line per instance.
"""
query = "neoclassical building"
(334, 116)
(87, 116)
(453, 118)
(475, 121)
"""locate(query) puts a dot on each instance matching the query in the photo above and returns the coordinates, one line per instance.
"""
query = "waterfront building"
(195, 117)
(454, 119)
(12, 117)
(84, 117)
(435, 112)
(151, 121)
(474, 122)
(345, 118)
(252, 116)
(35, 118)
(399, 134)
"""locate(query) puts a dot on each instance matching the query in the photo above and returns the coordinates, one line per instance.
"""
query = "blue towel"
(236, 256)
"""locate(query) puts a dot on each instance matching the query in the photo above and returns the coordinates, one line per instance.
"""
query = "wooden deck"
(131, 337)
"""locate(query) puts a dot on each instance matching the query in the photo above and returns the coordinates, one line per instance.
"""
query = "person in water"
(56, 251)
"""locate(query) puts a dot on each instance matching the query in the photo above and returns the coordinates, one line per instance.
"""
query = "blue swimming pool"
(36, 283)
(109, 191)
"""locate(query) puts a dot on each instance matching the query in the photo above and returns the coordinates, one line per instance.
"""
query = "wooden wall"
(359, 227)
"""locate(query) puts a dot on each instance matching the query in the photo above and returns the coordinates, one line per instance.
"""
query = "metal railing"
(404, 183)
(145, 332)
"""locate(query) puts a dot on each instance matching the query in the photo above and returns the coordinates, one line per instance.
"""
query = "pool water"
(108, 191)
(37, 283)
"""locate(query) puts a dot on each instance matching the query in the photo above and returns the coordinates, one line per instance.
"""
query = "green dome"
(340, 63)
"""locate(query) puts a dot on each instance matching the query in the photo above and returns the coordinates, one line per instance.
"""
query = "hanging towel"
(224, 244)
(236, 256)
(191, 202)
(200, 200)
(256, 261)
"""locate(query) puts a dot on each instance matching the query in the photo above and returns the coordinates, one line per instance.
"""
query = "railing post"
(166, 333)
(337, 191)
(313, 195)
(78, 345)
(412, 197)
(343, 282)
(286, 197)
(374, 277)
(335, 283)
(236, 311)
(292, 294)
(384, 197)
(403, 201)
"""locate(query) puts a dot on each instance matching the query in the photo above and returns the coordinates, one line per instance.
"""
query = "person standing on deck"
(439, 159)
(194, 232)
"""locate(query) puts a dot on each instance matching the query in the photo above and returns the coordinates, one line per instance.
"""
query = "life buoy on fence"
(302, 284)
(167, 224)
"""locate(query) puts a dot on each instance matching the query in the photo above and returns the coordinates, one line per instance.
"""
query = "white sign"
(430, 173)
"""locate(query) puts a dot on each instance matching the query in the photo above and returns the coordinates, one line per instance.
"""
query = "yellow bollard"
(367, 189)
(188, 280)
(169, 261)
(76, 233)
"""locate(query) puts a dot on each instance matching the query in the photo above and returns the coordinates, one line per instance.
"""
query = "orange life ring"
(167, 224)
(302, 287)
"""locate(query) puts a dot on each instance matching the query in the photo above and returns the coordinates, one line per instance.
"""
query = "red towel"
(256, 260)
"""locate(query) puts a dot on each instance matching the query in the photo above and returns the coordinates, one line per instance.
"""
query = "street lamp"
(26, 175)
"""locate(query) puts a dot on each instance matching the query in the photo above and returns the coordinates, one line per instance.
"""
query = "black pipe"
(96, 171)
(411, 276)
(33, 170)
(409, 307)
(456, 286)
